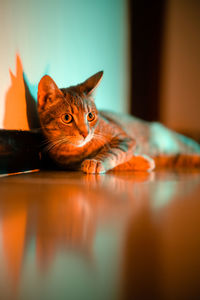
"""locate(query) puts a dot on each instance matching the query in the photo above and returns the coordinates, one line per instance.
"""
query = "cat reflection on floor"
(60, 217)
(65, 216)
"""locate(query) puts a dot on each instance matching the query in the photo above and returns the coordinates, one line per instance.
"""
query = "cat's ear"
(88, 86)
(47, 91)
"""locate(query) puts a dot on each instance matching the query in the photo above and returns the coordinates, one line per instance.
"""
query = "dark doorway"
(146, 26)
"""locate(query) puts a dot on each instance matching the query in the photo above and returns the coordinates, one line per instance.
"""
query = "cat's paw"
(92, 166)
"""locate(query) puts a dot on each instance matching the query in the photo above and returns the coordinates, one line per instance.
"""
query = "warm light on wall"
(15, 101)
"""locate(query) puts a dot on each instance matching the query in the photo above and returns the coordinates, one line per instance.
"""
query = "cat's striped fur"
(80, 136)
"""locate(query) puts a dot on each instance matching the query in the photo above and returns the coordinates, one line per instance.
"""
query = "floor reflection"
(160, 257)
(13, 228)
(145, 218)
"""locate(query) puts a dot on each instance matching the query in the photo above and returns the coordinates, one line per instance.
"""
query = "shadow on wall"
(20, 106)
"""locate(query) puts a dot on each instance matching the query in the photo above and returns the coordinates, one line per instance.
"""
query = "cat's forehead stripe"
(74, 109)
(78, 104)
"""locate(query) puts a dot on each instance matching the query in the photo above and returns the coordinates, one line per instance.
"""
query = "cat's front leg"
(118, 151)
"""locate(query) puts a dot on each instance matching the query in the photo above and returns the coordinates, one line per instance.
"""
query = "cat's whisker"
(103, 137)
(105, 140)
(99, 135)
(100, 138)
(102, 142)
(45, 142)
(55, 143)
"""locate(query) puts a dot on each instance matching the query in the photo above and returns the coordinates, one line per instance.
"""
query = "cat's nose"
(84, 134)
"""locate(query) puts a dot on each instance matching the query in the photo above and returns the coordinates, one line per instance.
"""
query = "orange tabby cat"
(78, 135)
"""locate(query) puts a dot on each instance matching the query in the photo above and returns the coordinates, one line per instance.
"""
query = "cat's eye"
(90, 116)
(67, 118)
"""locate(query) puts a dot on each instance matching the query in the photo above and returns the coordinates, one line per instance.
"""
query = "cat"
(81, 137)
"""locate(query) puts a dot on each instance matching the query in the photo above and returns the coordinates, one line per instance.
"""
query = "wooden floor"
(66, 235)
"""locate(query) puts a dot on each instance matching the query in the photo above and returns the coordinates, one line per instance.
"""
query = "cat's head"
(68, 115)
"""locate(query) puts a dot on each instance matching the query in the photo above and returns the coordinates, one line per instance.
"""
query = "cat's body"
(80, 136)
(153, 138)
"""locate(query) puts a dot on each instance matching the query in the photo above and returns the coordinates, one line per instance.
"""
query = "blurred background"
(149, 53)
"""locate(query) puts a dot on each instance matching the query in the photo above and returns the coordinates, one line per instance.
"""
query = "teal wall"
(70, 40)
